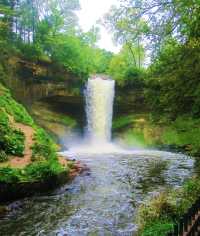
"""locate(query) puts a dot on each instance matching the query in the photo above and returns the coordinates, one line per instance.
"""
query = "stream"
(103, 201)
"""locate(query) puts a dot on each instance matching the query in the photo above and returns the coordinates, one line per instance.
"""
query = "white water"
(99, 95)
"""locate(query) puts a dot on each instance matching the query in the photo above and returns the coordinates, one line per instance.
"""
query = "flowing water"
(104, 200)
(99, 108)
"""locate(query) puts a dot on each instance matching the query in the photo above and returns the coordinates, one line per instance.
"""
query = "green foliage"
(43, 147)
(154, 22)
(123, 122)
(102, 60)
(123, 69)
(11, 140)
(157, 228)
(32, 52)
(9, 175)
(159, 214)
(157, 167)
(3, 156)
(173, 87)
(13, 108)
(183, 132)
(49, 32)
(38, 171)
(45, 162)
(151, 131)
(43, 170)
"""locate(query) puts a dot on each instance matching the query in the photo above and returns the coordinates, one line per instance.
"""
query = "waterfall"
(99, 95)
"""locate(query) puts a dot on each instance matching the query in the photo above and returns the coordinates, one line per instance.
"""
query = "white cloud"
(91, 11)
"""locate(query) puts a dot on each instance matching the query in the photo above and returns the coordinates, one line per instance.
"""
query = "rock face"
(30, 90)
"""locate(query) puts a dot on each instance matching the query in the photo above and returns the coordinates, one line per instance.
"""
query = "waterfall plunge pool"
(103, 201)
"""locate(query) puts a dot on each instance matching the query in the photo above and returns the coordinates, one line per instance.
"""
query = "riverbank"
(14, 191)
(29, 163)
(158, 214)
(144, 130)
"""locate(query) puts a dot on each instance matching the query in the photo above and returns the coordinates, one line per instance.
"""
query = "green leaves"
(3, 156)
(124, 69)
(11, 140)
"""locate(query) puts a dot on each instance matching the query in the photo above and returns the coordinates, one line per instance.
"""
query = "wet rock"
(15, 206)
(3, 210)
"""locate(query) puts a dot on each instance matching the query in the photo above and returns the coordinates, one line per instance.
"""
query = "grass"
(157, 216)
(13, 108)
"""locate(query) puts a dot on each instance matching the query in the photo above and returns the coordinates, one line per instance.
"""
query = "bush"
(3, 156)
(15, 109)
(43, 170)
(43, 148)
(158, 215)
(14, 142)
(158, 228)
(37, 171)
(9, 175)
(159, 208)
(11, 140)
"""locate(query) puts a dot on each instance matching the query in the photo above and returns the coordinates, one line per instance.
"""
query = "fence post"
(185, 222)
(181, 226)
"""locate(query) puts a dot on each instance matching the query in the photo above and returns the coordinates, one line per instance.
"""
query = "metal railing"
(189, 223)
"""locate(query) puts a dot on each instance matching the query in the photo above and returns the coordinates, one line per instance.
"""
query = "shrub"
(3, 156)
(158, 208)
(11, 140)
(43, 170)
(9, 175)
(14, 142)
(158, 228)
(43, 148)
(158, 215)
(9, 105)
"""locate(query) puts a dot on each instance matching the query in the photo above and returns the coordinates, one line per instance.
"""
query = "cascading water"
(99, 95)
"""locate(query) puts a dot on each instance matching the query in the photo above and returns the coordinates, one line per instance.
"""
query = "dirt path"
(20, 162)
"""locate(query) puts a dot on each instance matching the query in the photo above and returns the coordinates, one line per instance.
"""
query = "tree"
(154, 22)
(123, 69)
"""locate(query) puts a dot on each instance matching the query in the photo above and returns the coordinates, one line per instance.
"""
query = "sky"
(91, 11)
